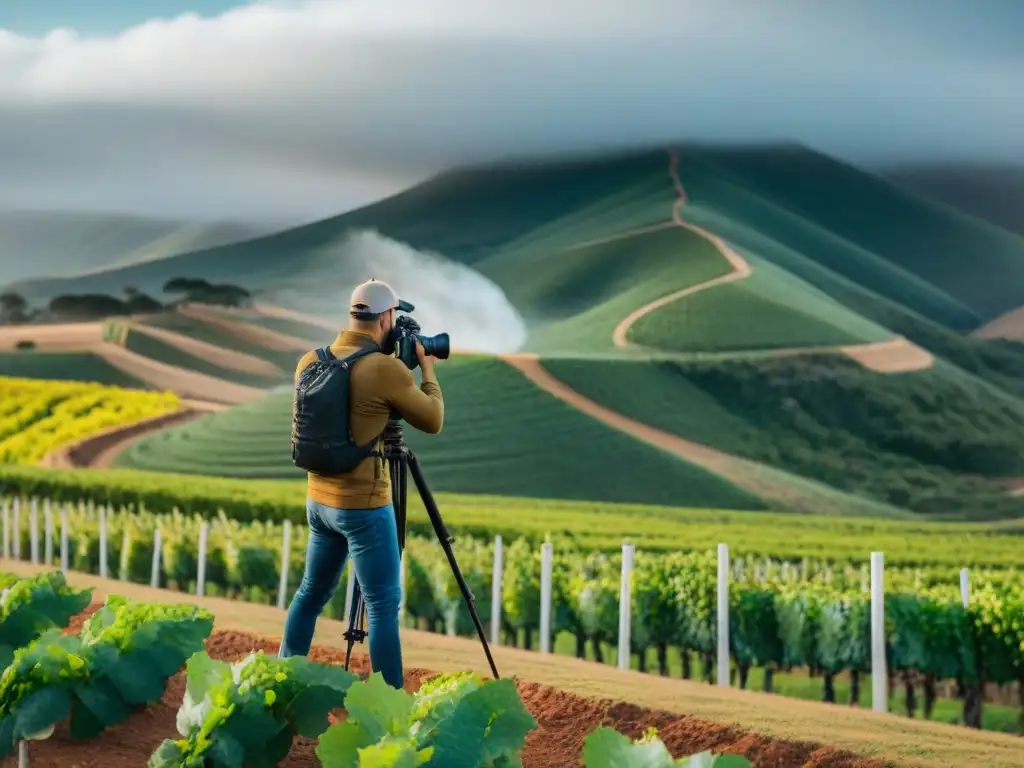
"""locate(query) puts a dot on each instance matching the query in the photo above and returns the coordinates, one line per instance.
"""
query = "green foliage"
(607, 748)
(33, 605)
(161, 351)
(925, 441)
(248, 713)
(502, 420)
(64, 366)
(452, 720)
(120, 660)
(770, 309)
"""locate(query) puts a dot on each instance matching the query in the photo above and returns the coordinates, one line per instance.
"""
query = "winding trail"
(890, 356)
(894, 355)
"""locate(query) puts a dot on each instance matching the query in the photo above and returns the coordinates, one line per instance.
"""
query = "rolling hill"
(705, 314)
(56, 245)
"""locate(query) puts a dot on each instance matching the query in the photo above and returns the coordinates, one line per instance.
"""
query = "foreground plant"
(248, 713)
(31, 606)
(607, 748)
(453, 720)
(121, 660)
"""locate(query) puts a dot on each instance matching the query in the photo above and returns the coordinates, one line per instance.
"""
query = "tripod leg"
(446, 539)
(356, 623)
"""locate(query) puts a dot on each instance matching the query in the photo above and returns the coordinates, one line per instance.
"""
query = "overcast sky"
(304, 109)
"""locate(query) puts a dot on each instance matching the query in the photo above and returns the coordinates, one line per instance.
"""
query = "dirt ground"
(564, 720)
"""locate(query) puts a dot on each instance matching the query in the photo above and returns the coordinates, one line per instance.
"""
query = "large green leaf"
(41, 709)
(379, 708)
(339, 745)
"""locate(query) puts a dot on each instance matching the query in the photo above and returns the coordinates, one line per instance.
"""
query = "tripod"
(400, 459)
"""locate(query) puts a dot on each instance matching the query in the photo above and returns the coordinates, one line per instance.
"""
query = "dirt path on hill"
(895, 355)
(257, 334)
(99, 451)
(759, 479)
(187, 384)
(1008, 326)
(69, 337)
(225, 358)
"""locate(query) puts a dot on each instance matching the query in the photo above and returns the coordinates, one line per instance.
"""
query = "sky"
(295, 110)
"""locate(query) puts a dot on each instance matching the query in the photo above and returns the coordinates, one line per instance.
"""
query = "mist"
(304, 109)
(448, 297)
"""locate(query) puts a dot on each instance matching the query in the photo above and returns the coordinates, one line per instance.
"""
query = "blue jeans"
(371, 537)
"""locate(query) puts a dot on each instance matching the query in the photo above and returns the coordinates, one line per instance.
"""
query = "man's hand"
(426, 361)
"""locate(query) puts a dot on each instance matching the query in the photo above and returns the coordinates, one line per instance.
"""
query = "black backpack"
(322, 440)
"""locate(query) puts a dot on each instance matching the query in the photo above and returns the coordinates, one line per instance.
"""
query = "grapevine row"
(781, 616)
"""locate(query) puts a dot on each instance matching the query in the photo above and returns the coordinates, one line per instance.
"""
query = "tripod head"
(393, 437)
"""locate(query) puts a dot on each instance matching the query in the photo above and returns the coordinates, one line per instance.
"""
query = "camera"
(403, 338)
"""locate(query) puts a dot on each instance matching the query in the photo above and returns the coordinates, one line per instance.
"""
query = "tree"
(13, 308)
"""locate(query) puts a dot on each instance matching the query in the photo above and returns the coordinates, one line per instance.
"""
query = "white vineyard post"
(723, 615)
(7, 529)
(154, 574)
(122, 565)
(204, 533)
(625, 606)
(65, 566)
(286, 546)
(103, 543)
(965, 587)
(879, 675)
(547, 556)
(33, 522)
(48, 533)
(23, 754)
(16, 537)
(496, 587)
(350, 589)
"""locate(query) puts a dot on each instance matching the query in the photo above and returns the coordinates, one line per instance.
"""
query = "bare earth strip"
(898, 740)
(249, 331)
(225, 358)
(65, 337)
(100, 450)
(188, 384)
(1009, 326)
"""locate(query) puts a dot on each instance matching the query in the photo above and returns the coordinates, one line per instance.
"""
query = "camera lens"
(438, 346)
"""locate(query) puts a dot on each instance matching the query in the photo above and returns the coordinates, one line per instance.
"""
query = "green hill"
(65, 366)
(501, 436)
(837, 257)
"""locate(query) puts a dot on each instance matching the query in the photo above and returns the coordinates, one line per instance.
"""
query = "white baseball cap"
(375, 297)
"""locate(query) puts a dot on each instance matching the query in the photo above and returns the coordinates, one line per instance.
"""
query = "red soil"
(564, 720)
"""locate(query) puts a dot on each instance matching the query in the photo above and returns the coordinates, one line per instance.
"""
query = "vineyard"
(39, 417)
(60, 687)
(592, 526)
(785, 619)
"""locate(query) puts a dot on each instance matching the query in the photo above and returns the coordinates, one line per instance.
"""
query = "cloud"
(303, 109)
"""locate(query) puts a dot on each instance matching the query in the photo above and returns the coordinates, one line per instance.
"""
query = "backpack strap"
(324, 354)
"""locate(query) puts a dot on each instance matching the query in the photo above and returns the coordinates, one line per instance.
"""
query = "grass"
(168, 354)
(592, 525)
(912, 743)
(945, 264)
(769, 309)
(211, 334)
(581, 295)
(502, 436)
(315, 334)
(65, 366)
(917, 440)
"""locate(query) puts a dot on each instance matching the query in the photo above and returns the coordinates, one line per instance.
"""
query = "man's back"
(379, 383)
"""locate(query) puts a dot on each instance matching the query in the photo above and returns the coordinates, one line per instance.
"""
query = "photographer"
(352, 513)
